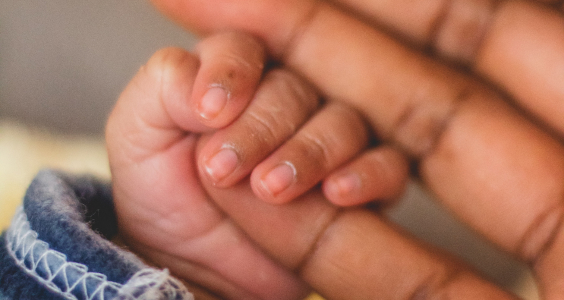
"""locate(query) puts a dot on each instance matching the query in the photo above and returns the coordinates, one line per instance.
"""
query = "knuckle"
(240, 55)
(319, 149)
(334, 136)
(169, 61)
(277, 112)
(462, 27)
(240, 66)
(265, 128)
(299, 90)
(240, 45)
(169, 65)
(420, 126)
(348, 118)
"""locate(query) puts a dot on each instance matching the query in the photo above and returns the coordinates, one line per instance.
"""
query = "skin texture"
(500, 169)
(164, 212)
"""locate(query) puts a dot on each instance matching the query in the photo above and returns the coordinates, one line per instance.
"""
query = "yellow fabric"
(24, 151)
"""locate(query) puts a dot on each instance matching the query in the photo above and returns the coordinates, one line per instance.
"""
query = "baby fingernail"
(344, 184)
(222, 164)
(212, 103)
(279, 178)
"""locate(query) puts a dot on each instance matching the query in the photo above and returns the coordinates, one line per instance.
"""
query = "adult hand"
(163, 210)
(500, 169)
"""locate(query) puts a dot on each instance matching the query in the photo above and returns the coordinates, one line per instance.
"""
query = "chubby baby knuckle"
(166, 70)
(348, 119)
(320, 150)
(250, 50)
(265, 128)
(238, 67)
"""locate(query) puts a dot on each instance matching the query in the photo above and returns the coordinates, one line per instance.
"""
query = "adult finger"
(523, 53)
(332, 137)
(459, 129)
(350, 254)
(500, 38)
(392, 85)
(415, 101)
(378, 174)
(231, 66)
(281, 104)
(516, 44)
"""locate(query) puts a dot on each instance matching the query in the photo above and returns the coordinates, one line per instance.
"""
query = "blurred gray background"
(64, 63)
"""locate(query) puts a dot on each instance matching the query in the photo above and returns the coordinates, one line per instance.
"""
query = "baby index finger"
(282, 103)
(231, 66)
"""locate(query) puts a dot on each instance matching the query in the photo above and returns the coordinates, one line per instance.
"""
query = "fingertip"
(271, 186)
(231, 68)
(168, 59)
(377, 175)
(168, 78)
(343, 189)
(279, 178)
(221, 164)
(213, 102)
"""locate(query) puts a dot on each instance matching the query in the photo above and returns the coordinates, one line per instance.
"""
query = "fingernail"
(212, 103)
(344, 184)
(279, 178)
(222, 164)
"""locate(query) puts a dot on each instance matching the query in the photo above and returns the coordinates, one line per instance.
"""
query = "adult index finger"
(516, 44)
(350, 254)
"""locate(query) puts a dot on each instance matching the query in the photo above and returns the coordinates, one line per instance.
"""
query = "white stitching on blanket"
(70, 279)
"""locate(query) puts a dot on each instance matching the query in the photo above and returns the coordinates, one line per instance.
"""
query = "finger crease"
(418, 132)
(459, 38)
(320, 147)
(437, 285)
(317, 242)
(264, 129)
(541, 234)
(438, 22)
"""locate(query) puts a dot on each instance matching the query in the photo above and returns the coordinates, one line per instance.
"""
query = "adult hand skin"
(500, 169)
(249, 118)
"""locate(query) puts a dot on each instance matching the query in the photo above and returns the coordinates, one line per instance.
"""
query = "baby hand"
(248, 117)
(164, 214)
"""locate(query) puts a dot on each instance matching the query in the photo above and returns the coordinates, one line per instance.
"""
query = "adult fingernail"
(212, 103)
(222, 164)
(279, 178)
